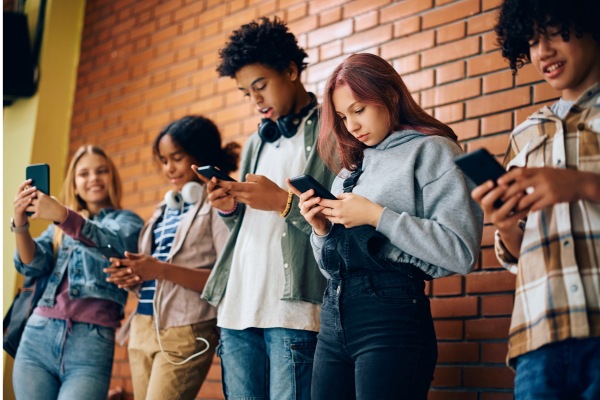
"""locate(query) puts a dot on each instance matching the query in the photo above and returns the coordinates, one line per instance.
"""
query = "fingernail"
(129, 270)
(137, 278)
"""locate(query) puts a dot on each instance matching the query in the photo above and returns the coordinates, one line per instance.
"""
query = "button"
(574, 288)
(566, 243)
(235, 220)
(581, 126)
(285, 265)
(47, 301)
(75, 292)
(76, 271)
(558, 162)
(308, 148)
(338, 290)
(414, 300)
(56, 274)
(283, 234)
(309, 122)
(294, 222)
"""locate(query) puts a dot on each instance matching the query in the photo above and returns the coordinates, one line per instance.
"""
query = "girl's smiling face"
(92, 181)
(368, 123)
(176, 163)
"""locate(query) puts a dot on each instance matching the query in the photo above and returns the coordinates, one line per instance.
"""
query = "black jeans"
(377, 339)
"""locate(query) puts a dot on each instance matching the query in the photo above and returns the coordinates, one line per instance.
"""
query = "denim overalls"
(377, 339)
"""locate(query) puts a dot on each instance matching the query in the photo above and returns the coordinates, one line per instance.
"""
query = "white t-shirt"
(256, 281)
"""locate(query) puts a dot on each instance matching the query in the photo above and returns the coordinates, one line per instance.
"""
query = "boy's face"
(273, 93)
(570, 67)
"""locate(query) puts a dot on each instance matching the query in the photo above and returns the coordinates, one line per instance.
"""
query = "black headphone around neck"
(286, 126)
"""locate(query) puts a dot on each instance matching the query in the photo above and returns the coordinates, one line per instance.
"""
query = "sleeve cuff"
(73, 226)
(507, 260)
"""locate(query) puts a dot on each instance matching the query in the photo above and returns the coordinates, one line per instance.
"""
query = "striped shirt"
(164, 233)
(558, 269)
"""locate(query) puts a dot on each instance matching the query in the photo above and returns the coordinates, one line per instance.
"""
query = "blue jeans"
(53, 363)
(567, 370)
(261, 364)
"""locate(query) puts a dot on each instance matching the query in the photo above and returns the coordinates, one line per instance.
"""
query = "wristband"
(228, 213)
(288, 206)
(18, 229)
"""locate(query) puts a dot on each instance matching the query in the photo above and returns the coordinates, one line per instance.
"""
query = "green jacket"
(303, 279)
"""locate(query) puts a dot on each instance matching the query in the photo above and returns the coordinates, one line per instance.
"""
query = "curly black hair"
(200, 138)
(519, 20)
(268, 42)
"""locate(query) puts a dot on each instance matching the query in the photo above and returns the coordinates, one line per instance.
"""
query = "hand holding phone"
(110, 252)
(310, 192)
(208, 171)
(40, 178)
(481, 167)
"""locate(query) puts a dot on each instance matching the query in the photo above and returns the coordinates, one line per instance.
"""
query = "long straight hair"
(371, 80)
(71, 199)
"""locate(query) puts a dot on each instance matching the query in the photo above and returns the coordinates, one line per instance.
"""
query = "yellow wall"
(36, 130)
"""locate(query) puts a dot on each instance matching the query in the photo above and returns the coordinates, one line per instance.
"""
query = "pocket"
(302, 351)
(531, 155)
(219, 349)
(395, 291)
(104, 333)
(36, 321)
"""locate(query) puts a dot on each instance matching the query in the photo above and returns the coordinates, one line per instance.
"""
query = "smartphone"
(306, 182)
(481, 167)
(209, 172)
(110, 252)
(40, 178)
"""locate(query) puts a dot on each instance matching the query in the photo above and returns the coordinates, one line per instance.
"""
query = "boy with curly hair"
(266, 285)
(548, 228)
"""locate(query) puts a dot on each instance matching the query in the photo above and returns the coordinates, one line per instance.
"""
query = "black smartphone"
(110, 252)
(481, 167)
(209, 172)
(40, 178)
(306, 182)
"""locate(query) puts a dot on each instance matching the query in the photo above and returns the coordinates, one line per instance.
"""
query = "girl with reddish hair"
(403, 216)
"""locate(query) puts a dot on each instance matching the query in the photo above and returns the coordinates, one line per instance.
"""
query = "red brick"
(330, 16)
(497, 396)
(486, 63)
(451, 32)
(336, 31)
(498, 102)
(418, 81)
(321, 71)
(494, 352)
(450, 72)
(407, 45)
(489, 42)
(304, 25)
(482, 23)
(447, 377)
(495, 82)
(528, 74)
(211, 14)
(466, 129)
(493, 281)
(451, 92)
(296, 12)
(447, 395)
(497, 305)
(450, 113)
(454, 12)
(164, 34)
(211, 390)
(404, 9)
(366, 21)
(368, 38)
(496, 144)
(489, 4)
(458, 352)
(543, 92)
(407, 26)
(496, 123)
(489, 260)
(450, 307)
(451, 285)
(488, 328)
(451, 51)
(356, 7)
(407, 64)
(330, 50)
(489, 377)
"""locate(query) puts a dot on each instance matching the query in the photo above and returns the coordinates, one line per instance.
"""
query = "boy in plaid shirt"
(548, 228)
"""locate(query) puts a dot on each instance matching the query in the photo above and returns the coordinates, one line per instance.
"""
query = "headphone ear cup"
(191, 192)
(268, 130)
(288, 125)
(173, 199)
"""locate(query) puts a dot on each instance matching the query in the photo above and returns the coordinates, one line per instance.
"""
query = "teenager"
(547, 228)
(173, 331)
(66, 350)
(266, 284)
(403, 216)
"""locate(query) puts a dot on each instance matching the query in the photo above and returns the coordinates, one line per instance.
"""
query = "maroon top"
(93, 311)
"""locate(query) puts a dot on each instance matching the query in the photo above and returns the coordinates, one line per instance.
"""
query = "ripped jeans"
(269, 363)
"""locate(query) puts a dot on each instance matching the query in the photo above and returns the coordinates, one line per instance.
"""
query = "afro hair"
(268, 42)
(519, 20)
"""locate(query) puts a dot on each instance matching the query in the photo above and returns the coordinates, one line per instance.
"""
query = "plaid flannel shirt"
(558, 277)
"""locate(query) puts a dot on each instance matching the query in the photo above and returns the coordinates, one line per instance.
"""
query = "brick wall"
(146, 63)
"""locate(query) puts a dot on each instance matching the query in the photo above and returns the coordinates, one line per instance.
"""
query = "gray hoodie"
(429, 216)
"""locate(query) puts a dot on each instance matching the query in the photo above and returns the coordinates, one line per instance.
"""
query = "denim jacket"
(119, 228)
